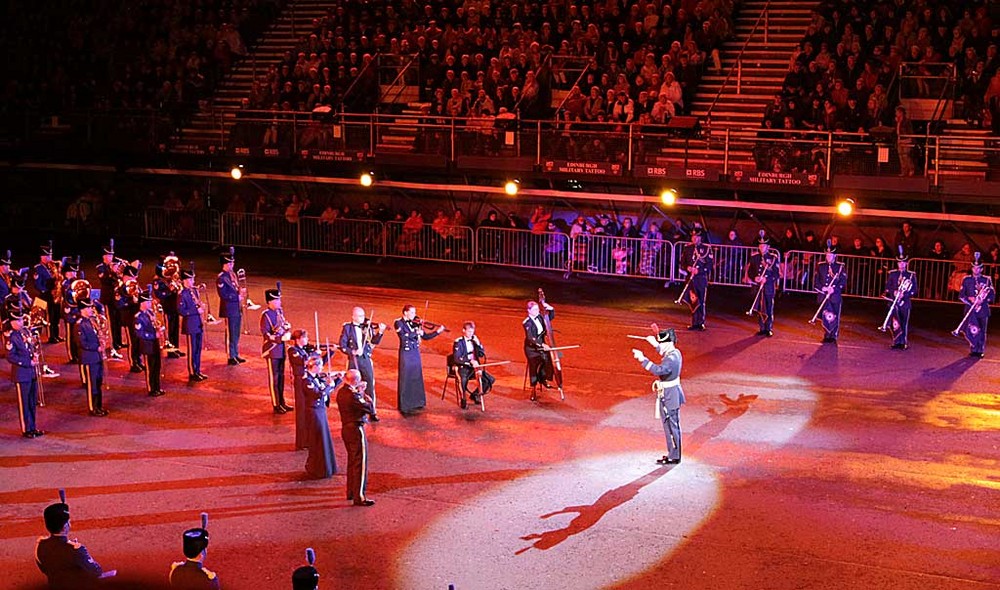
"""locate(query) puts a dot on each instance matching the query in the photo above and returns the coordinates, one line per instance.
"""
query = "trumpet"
(903, 287)
(974, 305)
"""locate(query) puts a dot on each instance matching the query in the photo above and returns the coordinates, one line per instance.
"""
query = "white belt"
(658, 387)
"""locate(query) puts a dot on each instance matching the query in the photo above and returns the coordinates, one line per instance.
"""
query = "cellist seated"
(536, 351)
(468, 354)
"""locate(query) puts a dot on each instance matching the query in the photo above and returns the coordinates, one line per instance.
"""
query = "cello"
(554, 354)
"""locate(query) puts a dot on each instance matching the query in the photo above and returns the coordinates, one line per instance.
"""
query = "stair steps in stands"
(964, 153)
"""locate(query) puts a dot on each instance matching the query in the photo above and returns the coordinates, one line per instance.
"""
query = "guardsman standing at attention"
(669, 395)
(109, 273)
(66, 563)
(697, 263)
(830, 281)
(276, 331)
(978, 292)
(358, 339)
(147, 333)
(230, 305)
(167, 287)
(191, 574)
(91, 356)
(763, 272)
(24, 373)
(190, 307)
(355, 408)
(44, 278)
(900, 287)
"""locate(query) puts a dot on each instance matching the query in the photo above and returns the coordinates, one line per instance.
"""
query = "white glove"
(652, 341)
(638, 355)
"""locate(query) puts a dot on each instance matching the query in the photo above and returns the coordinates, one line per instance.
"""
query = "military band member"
(67, 564)
(355, 408)
(24, 373)
(317, 388)
(44, 276)
(191, 574)
(189, 306)
(410, 377)
(127, 305)
(109, 274)
(91, 356)
(358, 339)
(468, 353)
(900, 287)
(697, 262)
(230, 306)
(830, 281)
(147, 333)
(5, 275)
(669, 395)
(540, 368)
(276, 331)
(299, 350)
(167, 287)
(70, 311)
(18, 296)
(763, 272)
(977, 293)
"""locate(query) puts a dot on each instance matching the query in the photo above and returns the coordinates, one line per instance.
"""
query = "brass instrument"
(206, 316)
(772, 257)
(695, 259)
(904, 286)
(827, 298)
(160, 323)
(172, 273)
(79, 288)
(34, 342)
(975, 304)
(133, 290)
(55, 269)
(281, 329)
(103, 329)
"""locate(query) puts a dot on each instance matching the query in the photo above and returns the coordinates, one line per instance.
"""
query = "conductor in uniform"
(358, 339)
(830, 281)
(900, 287)
(669, 395)
(355, 408)
(977, 293)
(468, 352)
(66, 563)
(540, 368)
(410, 379)
(189, 306)
(230, 307)
(91, 357)
(764, 272)
(24, 373)
(275, 331)
(148, 335)
(697, 262)
(191, 574)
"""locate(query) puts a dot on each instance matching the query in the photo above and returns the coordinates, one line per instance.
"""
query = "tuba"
(79, 289)
(172, 273)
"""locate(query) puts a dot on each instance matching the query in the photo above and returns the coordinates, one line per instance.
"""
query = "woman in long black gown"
(410, 394)
(317, 387)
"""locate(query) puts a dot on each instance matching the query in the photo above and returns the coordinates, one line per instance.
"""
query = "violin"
(551, 337)
(420, 324)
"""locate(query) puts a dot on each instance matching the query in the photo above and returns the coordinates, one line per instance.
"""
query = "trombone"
(827, 298)
(771, 259)
(904, 286)
(975, 304)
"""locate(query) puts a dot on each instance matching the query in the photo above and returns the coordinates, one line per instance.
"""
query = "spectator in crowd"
(907, 238)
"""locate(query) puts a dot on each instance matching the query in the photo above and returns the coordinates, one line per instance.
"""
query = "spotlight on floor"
(845, 207)
(367, 179)
(236, 172)
(668, 197)
(512, 187)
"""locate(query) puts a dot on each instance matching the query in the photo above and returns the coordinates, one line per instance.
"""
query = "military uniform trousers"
(671, 430)
(364, 366)
(27, 400)
(765, 308)
(975, 331)
(899, 324)
(195, 343)
(357, 460)
(830, 316)
(696, 299)
(151, 352)
(233, 326)
(93, 374)
(276, 380)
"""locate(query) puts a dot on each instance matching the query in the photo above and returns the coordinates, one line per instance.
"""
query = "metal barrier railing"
(362, 237)
(429, 241)
(630, 257)
(865, 274)
(162, 223)
(523, 248)
(730, 263)
(253, 230)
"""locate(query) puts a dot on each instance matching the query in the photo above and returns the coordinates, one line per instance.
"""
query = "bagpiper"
(697, 262)
(977, 294)
(830, 282)
(764, 271)
(900, 287)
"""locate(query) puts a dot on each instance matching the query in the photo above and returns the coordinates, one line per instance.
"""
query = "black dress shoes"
(280, 410)
(157, 393)
(364, 502)
(99, 413)
(697, 327)
(241, 360)
(135, 369)
(375, 418)
(666, 461)
(976, 355)
(232, 362)
(287, 407)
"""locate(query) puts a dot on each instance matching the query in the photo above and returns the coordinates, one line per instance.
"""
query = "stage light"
(236, 172)
(669, 197)
(845, 207)
(367, 179)
(512, 187)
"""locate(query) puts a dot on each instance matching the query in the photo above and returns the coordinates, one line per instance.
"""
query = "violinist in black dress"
(410, 376)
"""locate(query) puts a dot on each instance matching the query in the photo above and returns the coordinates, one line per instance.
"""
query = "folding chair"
(455, 378)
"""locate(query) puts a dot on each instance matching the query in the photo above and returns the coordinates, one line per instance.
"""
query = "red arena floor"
(805, 466)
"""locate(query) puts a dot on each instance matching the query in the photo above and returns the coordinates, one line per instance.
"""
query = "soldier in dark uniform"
(977, 293)
(67, 564)
(24, 372)
(317, 387)
(299, 350)
(127, 305)
(5, 275)
(410, 375)
(355, 408)
(830, 281)
(275, 331)
(91, 356)
(189, 306)
(540, 368)
(669, 395)
(900, 287)
(763, 272)
(468, 353)
(358, 339)
(697, 262)
(191, 574)
(109, 274)
(167, 291)
(70, 311)
(44, 284)
(18, 296)
(148, 339)
(230, 306)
